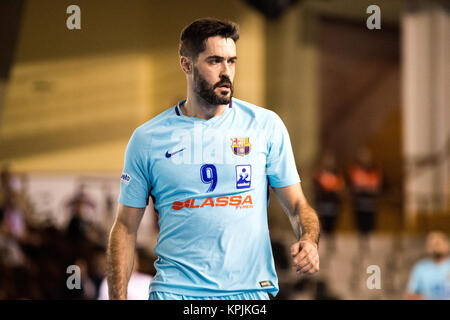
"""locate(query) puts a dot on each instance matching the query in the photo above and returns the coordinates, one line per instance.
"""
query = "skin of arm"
(305, 223)
(120, 251)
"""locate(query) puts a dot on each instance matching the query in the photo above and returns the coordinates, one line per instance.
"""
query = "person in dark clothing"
(78, 226)
(328, 186)
(366, 182)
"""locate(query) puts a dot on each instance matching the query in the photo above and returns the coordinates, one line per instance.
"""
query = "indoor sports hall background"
(349, 95)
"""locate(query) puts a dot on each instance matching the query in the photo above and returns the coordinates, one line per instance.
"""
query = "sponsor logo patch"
(125, 178)
(239, 202)
(168, 155)
(265, 283)
(243, 176)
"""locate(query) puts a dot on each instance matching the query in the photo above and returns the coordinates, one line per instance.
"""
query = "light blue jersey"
(209, 181)
(431, 280)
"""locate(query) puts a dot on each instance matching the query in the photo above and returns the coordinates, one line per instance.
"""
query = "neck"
(197, 107)
(439, 258)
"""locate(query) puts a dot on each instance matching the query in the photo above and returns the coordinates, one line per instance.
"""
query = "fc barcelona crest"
(240, 146)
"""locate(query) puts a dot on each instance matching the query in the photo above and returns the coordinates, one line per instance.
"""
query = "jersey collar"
(178, 110)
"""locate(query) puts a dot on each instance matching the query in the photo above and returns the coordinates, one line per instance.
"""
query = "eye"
(215, 61)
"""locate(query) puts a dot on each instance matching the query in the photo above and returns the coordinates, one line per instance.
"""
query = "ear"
(186, 64)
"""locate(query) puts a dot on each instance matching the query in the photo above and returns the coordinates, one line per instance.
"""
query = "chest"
(209, 161)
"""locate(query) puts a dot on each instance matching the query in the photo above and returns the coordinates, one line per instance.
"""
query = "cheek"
(211, 76)
(233, 72)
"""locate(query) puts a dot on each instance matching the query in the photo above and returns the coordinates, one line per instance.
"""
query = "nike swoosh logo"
(168, 155)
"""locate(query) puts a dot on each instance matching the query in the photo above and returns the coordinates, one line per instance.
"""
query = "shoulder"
(423, 264)
(147, 129)
(259, 114)
(162, 119)
(447, 263)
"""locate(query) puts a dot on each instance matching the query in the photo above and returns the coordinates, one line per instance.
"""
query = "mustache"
(222, 82)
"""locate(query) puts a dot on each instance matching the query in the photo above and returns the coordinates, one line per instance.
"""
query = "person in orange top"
(366, 183)
(329, 185)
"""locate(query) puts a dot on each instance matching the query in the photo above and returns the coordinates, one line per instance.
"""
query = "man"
(329, 186)
(430, 278)
(366, 185)
(214, 241)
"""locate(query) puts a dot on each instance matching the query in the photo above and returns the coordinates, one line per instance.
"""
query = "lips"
(224, 85)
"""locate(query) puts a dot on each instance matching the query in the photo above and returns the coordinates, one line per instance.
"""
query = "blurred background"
(367, 111)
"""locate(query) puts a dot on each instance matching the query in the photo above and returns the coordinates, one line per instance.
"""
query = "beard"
(437, 255)
(206, 91)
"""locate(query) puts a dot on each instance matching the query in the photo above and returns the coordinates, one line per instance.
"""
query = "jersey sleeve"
(135, 182)
(415, 281)
(281, 168)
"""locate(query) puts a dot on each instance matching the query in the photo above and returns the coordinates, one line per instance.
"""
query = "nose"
(226, 69)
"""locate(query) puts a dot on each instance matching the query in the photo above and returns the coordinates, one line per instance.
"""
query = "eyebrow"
(220, 58)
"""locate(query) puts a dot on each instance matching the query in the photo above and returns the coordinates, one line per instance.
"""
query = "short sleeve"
(415, 281)
(281, 168)
(135, 181)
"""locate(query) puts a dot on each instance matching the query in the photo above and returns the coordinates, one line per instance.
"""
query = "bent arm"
(303, 218)
(120, 251)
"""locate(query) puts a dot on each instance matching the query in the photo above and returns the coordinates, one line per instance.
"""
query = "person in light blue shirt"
(207, 164)
(430, 277)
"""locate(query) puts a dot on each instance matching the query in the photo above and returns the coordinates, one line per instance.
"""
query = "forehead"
(437, 237)
(219, 46)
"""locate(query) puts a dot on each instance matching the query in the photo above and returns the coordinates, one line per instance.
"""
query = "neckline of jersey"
(209, 121)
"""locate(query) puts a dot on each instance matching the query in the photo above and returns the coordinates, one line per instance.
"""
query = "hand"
(306, 257)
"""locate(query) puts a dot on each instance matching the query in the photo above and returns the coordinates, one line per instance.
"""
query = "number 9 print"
(208, 174)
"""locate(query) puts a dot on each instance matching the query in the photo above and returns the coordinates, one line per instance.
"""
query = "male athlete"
(430, 277)
(214, 241)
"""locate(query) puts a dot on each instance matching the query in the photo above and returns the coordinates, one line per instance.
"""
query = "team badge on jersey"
(240, 146)
(243, 176)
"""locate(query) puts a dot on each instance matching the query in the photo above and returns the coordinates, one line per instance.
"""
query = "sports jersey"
(209, 182)
(431, 280)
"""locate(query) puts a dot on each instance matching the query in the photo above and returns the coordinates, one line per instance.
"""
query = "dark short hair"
(193, 37)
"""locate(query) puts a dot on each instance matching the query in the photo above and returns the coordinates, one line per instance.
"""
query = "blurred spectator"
(97, 268)
(14, 217)
(366, 182)
(12, 222)
(24, 200)
(328, 187)
(430, 277)
(78, 226)
(5, 189)
(109, 203)
(138, 286)
(11, 254)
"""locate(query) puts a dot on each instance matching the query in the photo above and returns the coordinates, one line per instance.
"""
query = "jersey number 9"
(208, 174)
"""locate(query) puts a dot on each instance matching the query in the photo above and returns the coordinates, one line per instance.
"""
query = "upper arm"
(281, 169)
(415, 281)
(291, 197)
(135, 182)
(129, 217)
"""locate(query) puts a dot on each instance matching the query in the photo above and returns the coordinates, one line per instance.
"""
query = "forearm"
(305, 223)
(120, 258)
(309, 223)
(303, 218)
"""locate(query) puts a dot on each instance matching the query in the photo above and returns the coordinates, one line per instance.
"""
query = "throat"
(203, 111)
